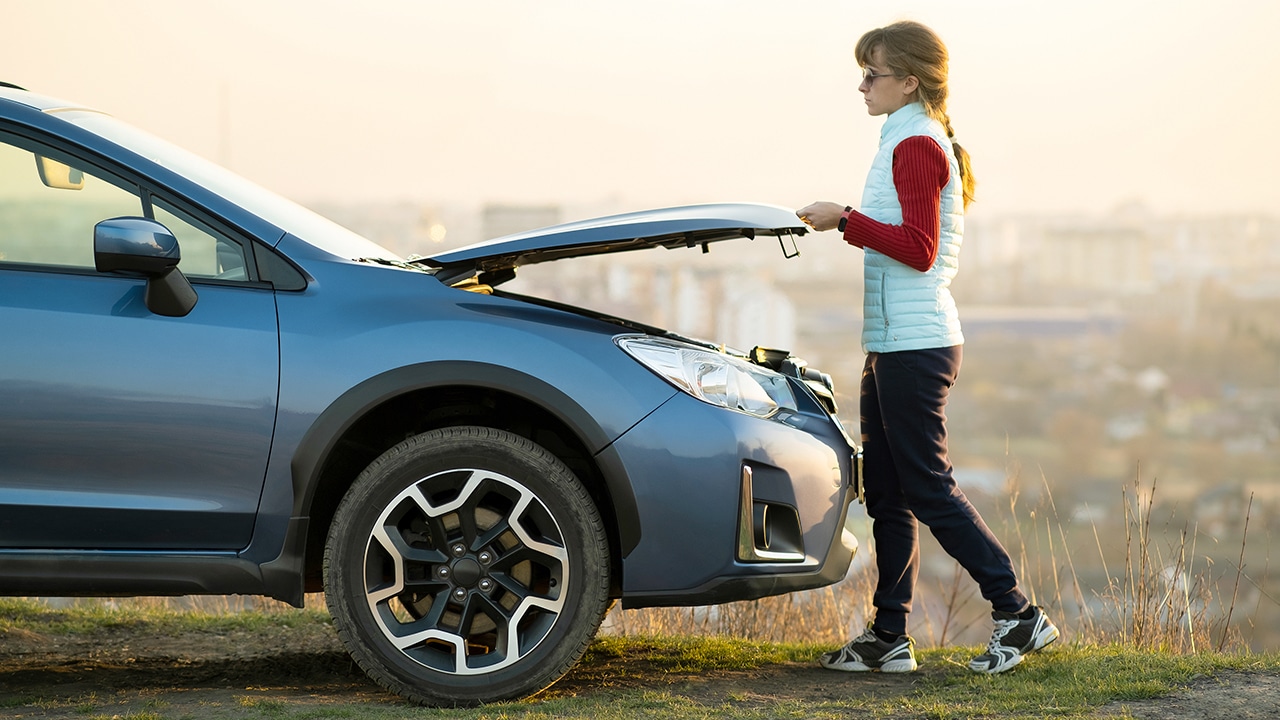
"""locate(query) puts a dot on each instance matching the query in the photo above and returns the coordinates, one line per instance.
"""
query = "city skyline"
(1077, 108)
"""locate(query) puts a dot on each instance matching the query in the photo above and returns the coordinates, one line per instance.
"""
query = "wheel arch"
(382, 411)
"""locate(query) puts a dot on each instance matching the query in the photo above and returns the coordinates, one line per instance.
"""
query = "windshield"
(285, 214)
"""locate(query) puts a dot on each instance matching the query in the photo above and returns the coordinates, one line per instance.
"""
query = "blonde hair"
(910, 48)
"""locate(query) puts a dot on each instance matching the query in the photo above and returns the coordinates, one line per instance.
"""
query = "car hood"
(687, 226)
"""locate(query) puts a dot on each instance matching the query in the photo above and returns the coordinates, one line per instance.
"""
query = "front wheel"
(466, 565)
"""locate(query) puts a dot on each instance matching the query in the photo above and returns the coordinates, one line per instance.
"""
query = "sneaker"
(868, 652)
(1013, 638)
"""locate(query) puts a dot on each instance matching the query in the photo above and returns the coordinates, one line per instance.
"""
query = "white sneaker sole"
(1047, 634)
(893, 666)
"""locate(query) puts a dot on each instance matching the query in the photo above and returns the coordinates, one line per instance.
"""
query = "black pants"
(908, 479)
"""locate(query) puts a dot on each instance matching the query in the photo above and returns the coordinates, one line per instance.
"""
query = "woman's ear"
(910, 84)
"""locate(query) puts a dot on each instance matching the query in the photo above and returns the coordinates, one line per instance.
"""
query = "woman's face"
(885, 93)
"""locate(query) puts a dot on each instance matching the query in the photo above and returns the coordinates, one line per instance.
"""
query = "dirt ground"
(201, 675)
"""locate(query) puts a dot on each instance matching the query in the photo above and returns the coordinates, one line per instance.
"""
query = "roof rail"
(11, 85)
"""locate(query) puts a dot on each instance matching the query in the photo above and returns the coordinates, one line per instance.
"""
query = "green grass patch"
(1065, 681)
(89, 616)
(699, 654)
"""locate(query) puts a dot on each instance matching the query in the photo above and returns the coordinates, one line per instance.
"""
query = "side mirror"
(138, 246)
(58, 176)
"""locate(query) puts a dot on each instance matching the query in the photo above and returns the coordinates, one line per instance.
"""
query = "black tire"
(466, 565)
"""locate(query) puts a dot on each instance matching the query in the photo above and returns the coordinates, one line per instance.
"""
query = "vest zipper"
(884, 297)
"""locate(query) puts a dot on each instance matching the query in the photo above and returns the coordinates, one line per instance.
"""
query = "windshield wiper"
(390, 263)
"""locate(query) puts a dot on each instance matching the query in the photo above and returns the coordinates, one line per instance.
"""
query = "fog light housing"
(767, 532)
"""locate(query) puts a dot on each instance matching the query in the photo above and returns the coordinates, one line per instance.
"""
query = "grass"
(87, 616)
(661, 677)
(698, 654)
(1069, 681)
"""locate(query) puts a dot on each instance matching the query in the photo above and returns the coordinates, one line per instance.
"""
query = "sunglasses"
(869, 77)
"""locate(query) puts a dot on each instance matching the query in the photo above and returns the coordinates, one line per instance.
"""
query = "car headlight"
(713, 377)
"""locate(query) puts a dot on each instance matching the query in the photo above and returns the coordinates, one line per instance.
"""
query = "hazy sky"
(1074, 106)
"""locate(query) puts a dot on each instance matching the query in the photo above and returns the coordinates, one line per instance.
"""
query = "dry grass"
(825, 615)
(1162, 595)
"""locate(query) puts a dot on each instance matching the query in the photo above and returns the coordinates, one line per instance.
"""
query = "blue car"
(207, 389)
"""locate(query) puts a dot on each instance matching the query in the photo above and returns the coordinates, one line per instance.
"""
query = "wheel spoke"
(490, 536)
(411, 640)
(483, 490)
(527, 600)
(523, 553)
(478, 605)
(511, 585)
(394, 542)
(556, 552)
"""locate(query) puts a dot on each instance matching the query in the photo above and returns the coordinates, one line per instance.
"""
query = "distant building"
(1101, 259)
(1129, 254)
(498, 220)
(405, 228)
(1038, 322)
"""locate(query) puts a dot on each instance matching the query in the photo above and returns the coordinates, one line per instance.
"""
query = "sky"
(1067, 107)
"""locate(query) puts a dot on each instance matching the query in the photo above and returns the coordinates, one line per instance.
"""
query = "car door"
(121, 429)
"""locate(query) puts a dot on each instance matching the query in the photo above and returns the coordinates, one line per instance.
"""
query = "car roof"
(44, 103)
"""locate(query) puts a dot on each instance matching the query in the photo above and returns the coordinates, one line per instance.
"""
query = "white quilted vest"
(903, 308)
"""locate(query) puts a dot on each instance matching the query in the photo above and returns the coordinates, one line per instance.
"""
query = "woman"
(910, 224)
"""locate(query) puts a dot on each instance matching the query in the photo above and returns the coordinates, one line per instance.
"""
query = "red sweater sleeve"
(920, 171)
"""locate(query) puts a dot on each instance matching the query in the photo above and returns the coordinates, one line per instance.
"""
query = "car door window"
(205, 253)
(50, 202)
(48, 209)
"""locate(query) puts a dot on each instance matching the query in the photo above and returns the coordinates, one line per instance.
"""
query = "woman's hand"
(821, 215)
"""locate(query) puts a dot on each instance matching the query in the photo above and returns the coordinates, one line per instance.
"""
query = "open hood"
(688, 226)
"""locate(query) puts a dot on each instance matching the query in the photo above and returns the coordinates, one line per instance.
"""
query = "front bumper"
(706, 479)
